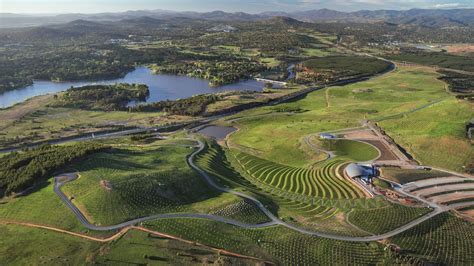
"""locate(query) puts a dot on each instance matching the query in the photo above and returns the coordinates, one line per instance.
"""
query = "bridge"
(281, 83)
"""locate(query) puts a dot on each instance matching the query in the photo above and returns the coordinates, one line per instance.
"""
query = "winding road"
(63, 179)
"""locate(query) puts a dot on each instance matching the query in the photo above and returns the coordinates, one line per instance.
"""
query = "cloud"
(448, 5)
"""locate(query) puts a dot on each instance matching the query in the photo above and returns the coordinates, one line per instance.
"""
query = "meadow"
(407, 96)
(24, 246)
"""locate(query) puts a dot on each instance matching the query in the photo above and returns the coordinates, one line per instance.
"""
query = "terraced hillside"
(325, 181)
(304, 210)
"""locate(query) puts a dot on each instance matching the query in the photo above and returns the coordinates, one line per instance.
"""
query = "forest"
(458, 82)
(218, 72)
(21, 170)
(102, 97)
(334, 68)
(439, 59)
(192, 106)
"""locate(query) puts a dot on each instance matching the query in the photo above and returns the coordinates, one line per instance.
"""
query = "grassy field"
(436, 135)
(27, 246)
(41, 206)
(141, 248)
(279, 137)
(352, 150)
(24, 246)
(34, 121)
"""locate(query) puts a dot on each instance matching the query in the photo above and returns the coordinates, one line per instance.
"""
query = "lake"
(161, 86)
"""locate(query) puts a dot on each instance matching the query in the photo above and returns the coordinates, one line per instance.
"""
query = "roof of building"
(326, 135)
(356, 170)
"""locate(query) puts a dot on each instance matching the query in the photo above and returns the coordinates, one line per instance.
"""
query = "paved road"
(62, 179)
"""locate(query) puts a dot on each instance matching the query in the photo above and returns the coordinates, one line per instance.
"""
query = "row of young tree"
(21, 170)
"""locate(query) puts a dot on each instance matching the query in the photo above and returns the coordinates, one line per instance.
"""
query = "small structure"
(364, 172)
(326, 136)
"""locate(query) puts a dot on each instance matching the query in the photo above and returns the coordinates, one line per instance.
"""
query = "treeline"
(19, 66)
(102, 97)
(21, 170)
(334, 68)
(192, 106)
(439, 59)
(359, 34)
(458, 82)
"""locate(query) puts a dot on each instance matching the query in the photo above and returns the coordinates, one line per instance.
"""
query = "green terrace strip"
(318, 190)
(324, 182)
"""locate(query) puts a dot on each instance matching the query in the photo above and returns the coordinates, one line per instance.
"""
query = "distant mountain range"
(419, 17)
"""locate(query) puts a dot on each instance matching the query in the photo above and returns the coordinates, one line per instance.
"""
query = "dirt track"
(125, 230)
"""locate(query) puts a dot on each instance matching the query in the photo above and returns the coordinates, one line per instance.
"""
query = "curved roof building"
(355, 170)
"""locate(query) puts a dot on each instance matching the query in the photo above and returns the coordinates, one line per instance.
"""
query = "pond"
(162, 87)
(217, 132)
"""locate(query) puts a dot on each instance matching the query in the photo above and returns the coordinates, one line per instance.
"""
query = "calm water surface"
(217, 132)
(162, 87)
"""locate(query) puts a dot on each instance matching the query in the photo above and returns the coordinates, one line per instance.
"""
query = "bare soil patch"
(105, 184)
(460, 48)
(20, 110)
(360, 134)
(385, 153)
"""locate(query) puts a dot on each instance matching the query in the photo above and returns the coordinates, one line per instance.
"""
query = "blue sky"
(250, 6)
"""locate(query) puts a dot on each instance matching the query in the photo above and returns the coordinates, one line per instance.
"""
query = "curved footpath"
(62, 179)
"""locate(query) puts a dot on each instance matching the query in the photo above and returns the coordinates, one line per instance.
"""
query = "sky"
(249, 6)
